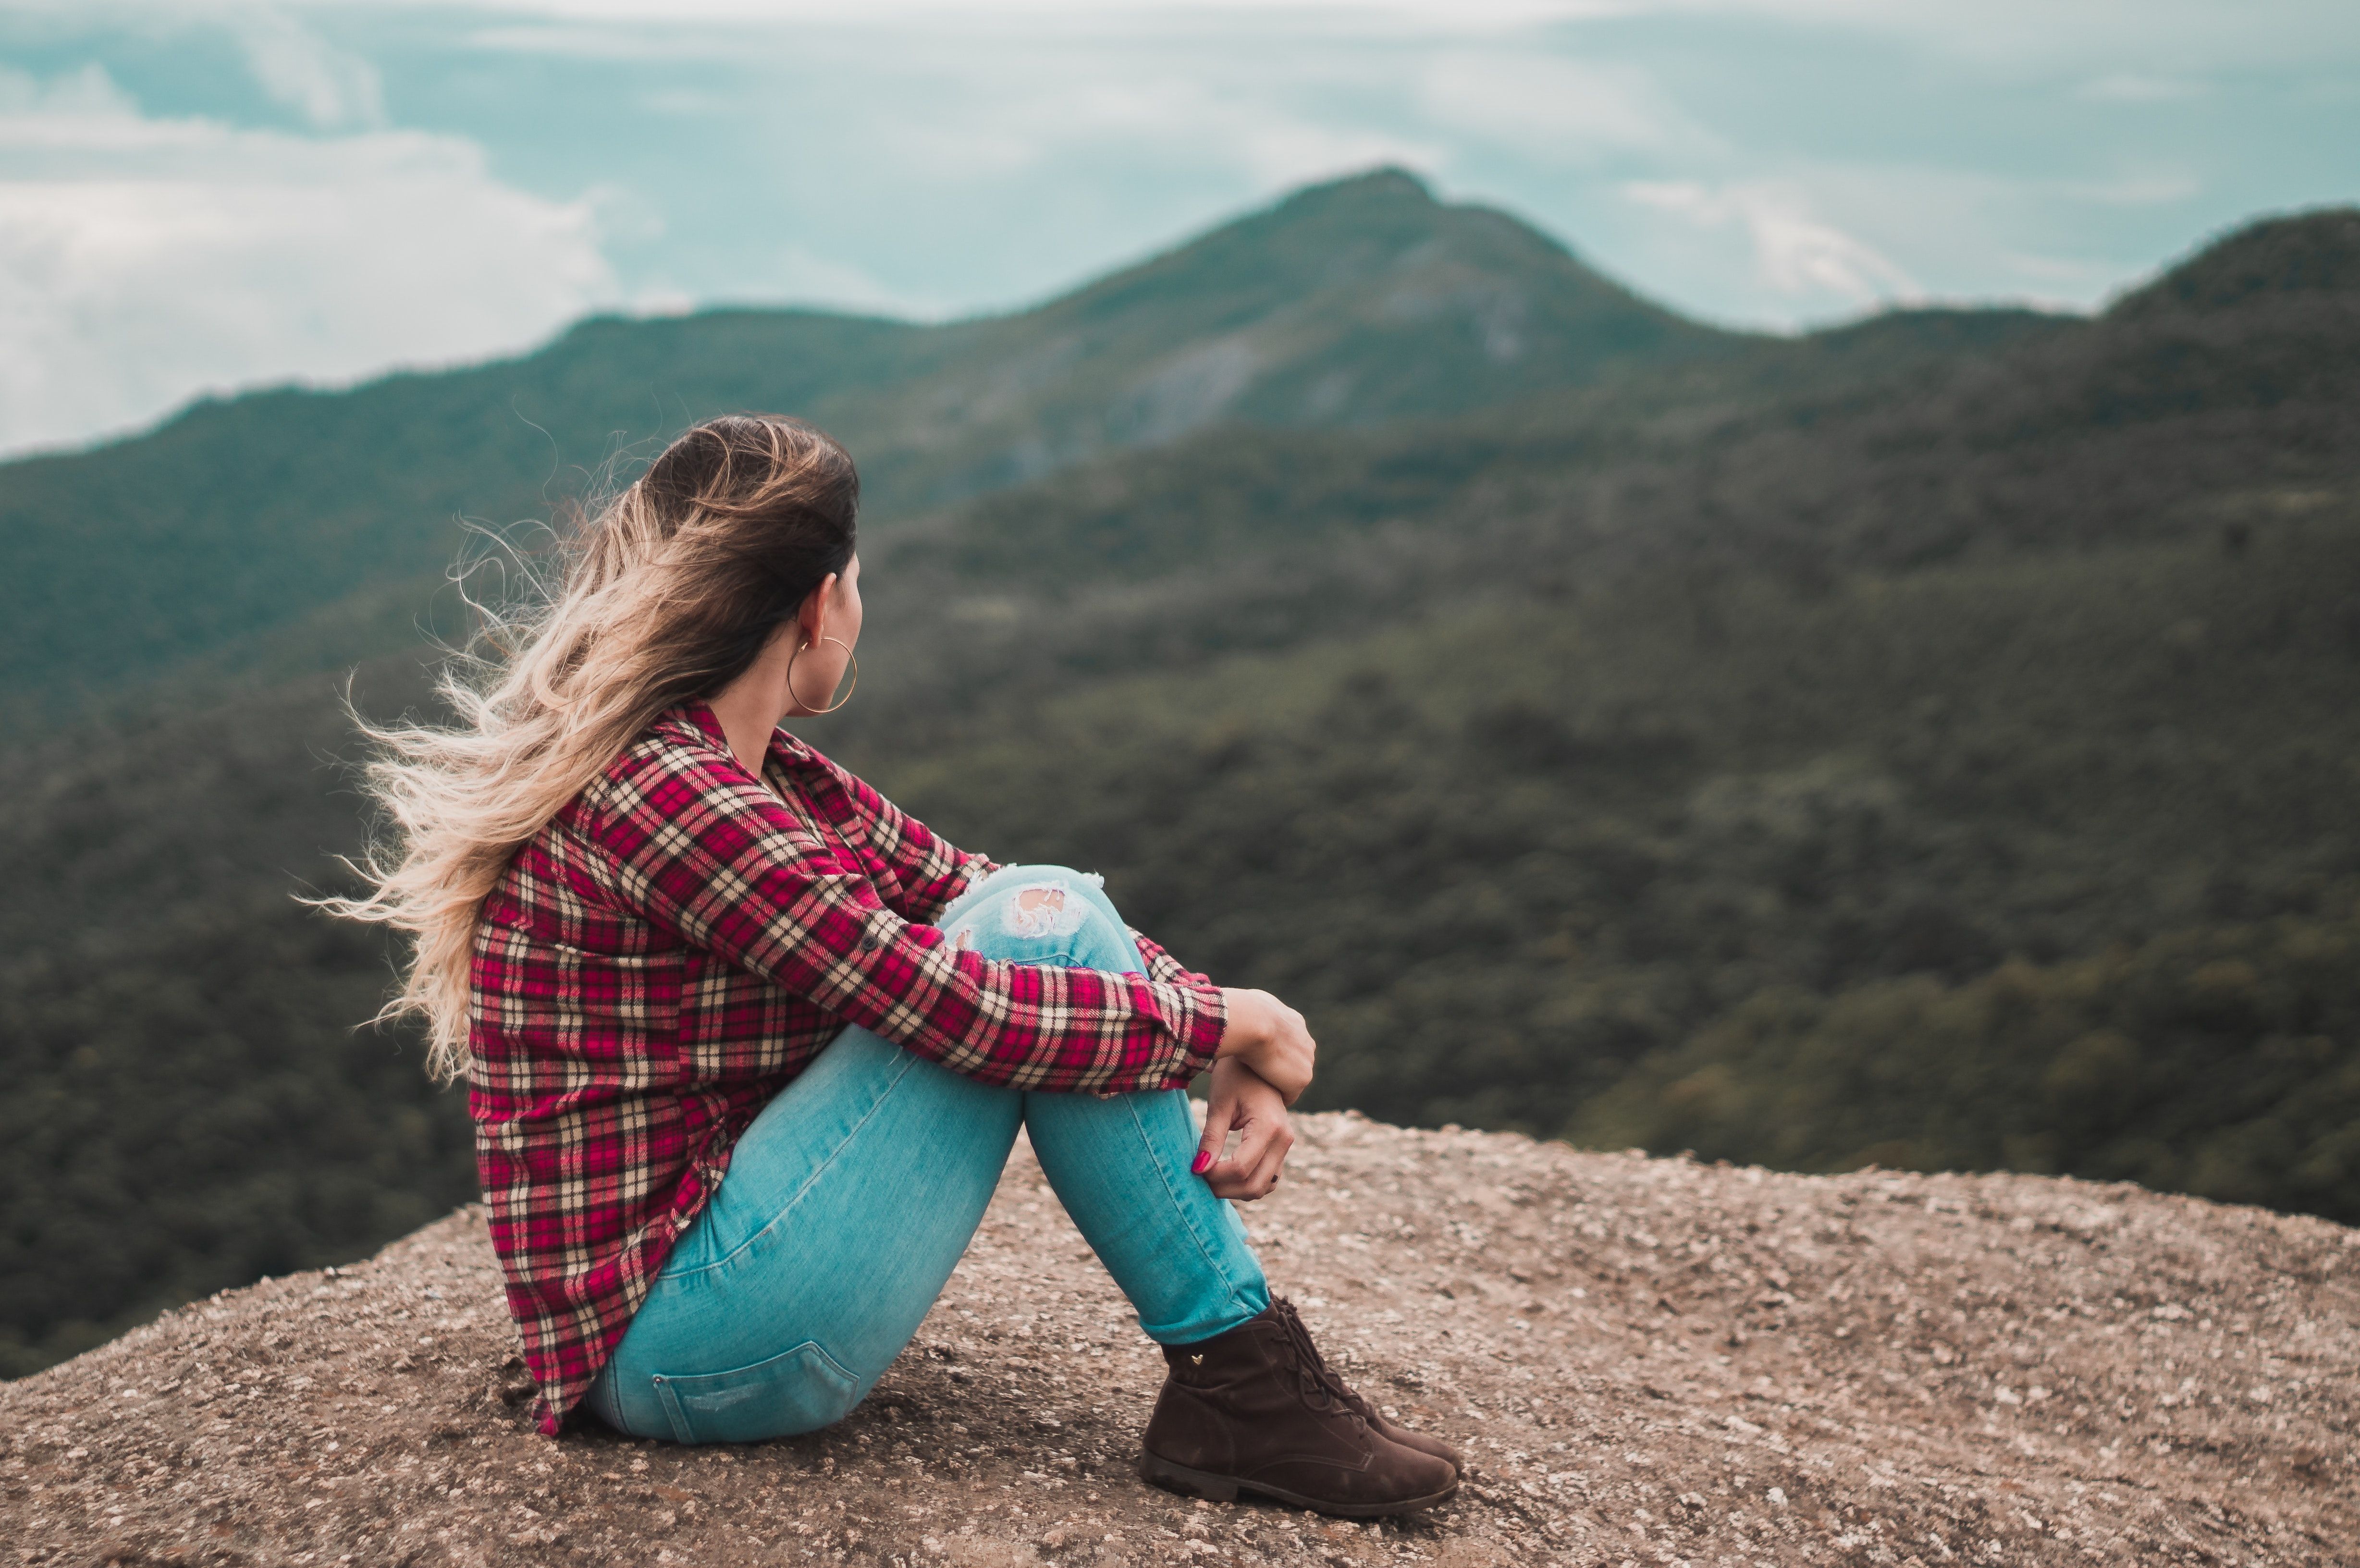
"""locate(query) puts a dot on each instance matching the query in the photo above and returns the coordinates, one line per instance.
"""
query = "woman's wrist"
(1243, 1024)
(1266, 1035)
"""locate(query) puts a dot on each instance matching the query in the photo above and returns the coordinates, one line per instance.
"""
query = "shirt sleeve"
(925, 871)
(1161, 965)
(709, 856)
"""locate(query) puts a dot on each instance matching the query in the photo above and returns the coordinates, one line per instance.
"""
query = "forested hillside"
(1348, 304)
(1931, 742)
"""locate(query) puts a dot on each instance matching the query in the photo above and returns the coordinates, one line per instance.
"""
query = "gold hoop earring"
(851, 659)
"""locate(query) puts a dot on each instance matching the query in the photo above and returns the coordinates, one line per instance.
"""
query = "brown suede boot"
(1359, 1403)
(1256, 1410)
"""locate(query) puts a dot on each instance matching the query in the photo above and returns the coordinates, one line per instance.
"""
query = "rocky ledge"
(1648, 1361)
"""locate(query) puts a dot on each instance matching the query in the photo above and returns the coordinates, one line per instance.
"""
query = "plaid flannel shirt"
(673, 947)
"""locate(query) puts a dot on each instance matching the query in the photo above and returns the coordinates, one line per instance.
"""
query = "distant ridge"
(1367, 297)
(2266, 317)
(2305, 252)
(1347, 304)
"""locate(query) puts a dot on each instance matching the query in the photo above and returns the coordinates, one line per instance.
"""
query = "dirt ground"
(1648, 1361)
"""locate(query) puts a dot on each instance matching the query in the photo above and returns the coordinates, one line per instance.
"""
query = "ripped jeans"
(851, 1196)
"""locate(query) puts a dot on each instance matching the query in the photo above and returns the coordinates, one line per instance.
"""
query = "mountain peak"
(1361, 299)
(1386, 182)
(2303, 253)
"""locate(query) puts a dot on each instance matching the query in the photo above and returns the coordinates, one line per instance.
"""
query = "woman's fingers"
(1249, 1177)
(1248, 1174)
(1220, 1114)
(1245, 1102)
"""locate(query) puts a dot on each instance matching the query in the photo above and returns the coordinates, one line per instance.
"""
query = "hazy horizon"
(207, 198)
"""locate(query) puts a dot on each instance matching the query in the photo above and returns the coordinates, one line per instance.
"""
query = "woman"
(747, 1047)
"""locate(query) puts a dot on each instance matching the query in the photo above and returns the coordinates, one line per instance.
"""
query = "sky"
(197, 198)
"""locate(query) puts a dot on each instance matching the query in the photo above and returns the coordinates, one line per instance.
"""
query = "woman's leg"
(1120, 1164)
(851, 1197)
(846, 1203)
(1248, 1405)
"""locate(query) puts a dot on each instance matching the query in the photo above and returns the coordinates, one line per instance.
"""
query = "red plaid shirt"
(674, 947)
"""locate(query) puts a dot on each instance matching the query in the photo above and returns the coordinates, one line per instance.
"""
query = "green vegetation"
(188, 1107)
(1525, 860)
(1346, 304)
(1931, 742)
(2217, 1061)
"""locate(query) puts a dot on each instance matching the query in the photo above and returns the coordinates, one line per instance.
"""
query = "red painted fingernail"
(1204, 1164)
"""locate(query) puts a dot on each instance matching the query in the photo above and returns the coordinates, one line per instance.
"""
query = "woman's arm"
(701, 851)
(1271, 1039)
(932, 872)
(924, 872)
(1159, 964)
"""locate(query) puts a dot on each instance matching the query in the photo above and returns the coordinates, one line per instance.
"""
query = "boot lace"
(1318, 1381)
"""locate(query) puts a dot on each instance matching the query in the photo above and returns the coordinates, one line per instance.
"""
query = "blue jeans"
(851, 1196)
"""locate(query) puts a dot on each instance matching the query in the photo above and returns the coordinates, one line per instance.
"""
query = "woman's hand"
(1243, 1102)
(1269, 1037)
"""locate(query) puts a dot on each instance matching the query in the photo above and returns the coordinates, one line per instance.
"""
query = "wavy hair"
(665, 594)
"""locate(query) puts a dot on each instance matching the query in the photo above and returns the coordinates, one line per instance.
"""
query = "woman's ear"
(813, 616)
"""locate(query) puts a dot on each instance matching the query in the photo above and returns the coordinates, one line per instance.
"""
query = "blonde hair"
(668, 593)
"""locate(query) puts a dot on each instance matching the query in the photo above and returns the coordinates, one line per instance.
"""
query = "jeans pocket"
(798, 1390)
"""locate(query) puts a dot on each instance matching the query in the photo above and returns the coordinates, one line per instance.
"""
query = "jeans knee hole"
(1043, 910)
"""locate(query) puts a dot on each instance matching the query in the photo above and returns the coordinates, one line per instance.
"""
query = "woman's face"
(843, 615)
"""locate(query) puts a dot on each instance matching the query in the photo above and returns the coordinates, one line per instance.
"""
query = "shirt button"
(870, 943)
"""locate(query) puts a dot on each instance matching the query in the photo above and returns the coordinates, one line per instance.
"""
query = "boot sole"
(1161, 1472)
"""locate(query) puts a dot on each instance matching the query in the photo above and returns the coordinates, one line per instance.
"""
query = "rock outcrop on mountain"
(1646, 1360)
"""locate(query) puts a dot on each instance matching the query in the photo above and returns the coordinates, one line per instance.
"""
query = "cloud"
(142, 261)
(1453, 15)
(821, 282)
(2133, 190)
(327, 86)
(2274, 29)
(85, 95)
(1794, 252)
(999, 109)
(2130, 87)
(2076, 272)
(1277, 149)
(1556, 110)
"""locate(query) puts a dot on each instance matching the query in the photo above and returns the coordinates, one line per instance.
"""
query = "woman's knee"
(1018, 910)
(1087, 886)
